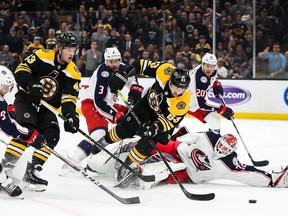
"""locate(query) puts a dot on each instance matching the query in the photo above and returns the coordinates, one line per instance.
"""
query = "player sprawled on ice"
(203, 78)
(11, 128)
(161, 109)
(195, 158)
(52, 76)
(99, 105)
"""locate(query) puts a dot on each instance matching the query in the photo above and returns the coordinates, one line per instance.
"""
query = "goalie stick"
(192, 196)
(131, 200)
(146, 178)
(255, 163)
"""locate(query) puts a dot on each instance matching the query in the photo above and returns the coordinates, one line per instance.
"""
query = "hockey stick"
(199, 197)
(255, 163)
(146, 178)
(131, 200)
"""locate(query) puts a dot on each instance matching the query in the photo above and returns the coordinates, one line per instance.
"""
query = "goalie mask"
(225, 146)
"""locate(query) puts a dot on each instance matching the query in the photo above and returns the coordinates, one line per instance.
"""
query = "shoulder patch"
(235, 161)
(104, 73)
(181, 105)
(76, 68)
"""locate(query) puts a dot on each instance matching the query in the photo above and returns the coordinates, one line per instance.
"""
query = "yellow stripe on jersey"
(73, 71)
(167, 125)
(46, 56)
(68, 98)
(22, 67)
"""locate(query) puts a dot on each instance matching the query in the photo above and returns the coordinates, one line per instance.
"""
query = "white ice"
(77, 196)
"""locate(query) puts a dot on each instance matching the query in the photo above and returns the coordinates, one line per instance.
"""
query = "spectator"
(84, 42)
(21, 27)
(92, 59)
(277, 61)
(130, 46)
(126, 57)
(100, 37)
(152, 34)
(175, 34)
(33, 47)
(239, 7)
(6, 58)
(169, 52)
(222, 71)
(109, 19)
(238, 72)
(202, 47)
(263, 23)
(238, 29)
(156, 57)
(220, 51)
(240, 57)
(115, 40)
(81, 66)
(14, 43)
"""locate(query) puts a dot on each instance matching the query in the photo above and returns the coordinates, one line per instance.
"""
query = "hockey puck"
(252, 201)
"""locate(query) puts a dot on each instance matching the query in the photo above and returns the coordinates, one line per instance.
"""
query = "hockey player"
(51, 76)
(203, 157)
(99, 105)
(162, 108)
(203, 78)
(12, 128)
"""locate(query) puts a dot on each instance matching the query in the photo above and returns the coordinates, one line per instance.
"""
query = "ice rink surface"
(77, 196)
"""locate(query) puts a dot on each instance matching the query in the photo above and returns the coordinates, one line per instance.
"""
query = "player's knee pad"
(98, 134)
(52, 136)
(213, 120)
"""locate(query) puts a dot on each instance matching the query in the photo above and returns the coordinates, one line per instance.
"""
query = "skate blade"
(34, 187)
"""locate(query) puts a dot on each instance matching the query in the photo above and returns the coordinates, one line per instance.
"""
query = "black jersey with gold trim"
(60, 82)
(171, 110)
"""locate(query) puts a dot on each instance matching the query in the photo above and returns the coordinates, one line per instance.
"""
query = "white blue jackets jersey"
(196, 150)
(8, 125)
(199, 86)
(99, 91)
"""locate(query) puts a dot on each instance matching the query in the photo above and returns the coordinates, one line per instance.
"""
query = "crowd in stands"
(140, 29)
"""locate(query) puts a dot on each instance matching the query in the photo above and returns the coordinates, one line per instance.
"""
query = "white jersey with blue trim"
(99, 91)
(196, 150)
(199, 86)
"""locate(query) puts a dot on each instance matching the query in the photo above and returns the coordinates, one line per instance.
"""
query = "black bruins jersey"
(60, 82)
(171, 110)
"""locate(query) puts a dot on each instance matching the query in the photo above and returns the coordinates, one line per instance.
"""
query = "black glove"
(135, 94)
(148, 130)
(35, 139)
(71, 124)
(117, 81)
(12, 111)
(226, 112)
(35, 93)
(217, 89)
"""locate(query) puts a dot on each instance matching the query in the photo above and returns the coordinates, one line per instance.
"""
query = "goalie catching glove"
(71, 124)
(135, 94)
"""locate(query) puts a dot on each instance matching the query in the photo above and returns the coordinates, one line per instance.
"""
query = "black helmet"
(67, 40)
(180, 78)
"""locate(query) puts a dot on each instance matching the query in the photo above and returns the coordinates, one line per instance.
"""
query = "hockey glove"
(217, 89)
(148, 130)
(35, 139)
(35, 93)
(135, 94)
(71, 124)
(117, 81)
(12, 111)
(226, 112)
(119, 117)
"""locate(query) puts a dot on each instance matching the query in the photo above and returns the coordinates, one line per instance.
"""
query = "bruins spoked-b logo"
(153, 101)
(50, 87)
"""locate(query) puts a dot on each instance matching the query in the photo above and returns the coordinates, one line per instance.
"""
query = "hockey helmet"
(112, 53)
(209, 58)
(67, 40)
(225, 146)
(180, 78)
(6, 78)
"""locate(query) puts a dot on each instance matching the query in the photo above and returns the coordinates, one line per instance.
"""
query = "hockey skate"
(126, 179)
(280, 179)
(11, 189)
(31, 179)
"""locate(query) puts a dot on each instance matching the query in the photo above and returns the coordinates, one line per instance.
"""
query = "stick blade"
(201, 197)
(260, 163)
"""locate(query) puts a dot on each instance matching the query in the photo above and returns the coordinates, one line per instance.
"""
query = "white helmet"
(209, 58)
(112, 53)
(225, 146)
(6, 77)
